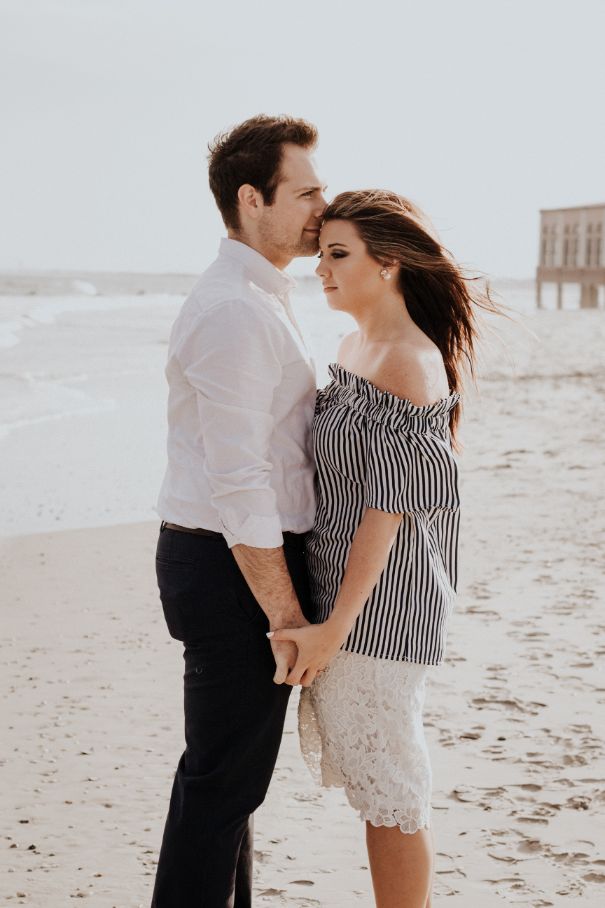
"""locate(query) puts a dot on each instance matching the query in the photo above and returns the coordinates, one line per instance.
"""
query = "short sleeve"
(408, 471)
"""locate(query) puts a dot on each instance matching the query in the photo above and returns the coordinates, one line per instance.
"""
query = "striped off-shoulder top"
(375, 450)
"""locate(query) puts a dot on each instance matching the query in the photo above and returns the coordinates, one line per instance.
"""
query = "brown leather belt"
(198, 531)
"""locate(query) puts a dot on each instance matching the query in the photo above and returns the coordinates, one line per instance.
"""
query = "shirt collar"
(260, 269)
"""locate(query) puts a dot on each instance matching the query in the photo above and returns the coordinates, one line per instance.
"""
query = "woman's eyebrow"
(344, 245)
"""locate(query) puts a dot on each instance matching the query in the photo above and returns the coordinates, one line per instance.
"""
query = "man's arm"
(232, 359)
(267, 576)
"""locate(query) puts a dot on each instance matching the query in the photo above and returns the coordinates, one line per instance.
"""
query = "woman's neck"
(384, 320)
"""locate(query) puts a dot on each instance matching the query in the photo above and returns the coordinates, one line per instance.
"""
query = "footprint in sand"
(593, 877)
(474, 734)
(537, 821)
(509, 703)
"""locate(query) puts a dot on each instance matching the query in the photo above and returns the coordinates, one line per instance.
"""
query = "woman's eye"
(334, 255)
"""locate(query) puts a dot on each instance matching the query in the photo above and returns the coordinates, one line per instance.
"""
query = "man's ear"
(250, 200)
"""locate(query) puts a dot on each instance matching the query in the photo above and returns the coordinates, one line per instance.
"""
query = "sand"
(91, 682)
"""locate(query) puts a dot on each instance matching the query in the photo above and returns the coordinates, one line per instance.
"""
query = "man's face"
(290, 226)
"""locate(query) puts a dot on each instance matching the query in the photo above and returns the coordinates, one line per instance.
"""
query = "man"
(235, 504)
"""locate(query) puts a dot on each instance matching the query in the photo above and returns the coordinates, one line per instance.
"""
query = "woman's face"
(350, 276)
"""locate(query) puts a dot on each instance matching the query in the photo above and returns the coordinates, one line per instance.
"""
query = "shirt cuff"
(257, 532)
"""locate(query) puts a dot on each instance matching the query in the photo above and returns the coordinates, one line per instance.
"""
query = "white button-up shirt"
(240, 406)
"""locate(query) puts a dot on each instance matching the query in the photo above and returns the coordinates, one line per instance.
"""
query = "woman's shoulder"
(413, 371)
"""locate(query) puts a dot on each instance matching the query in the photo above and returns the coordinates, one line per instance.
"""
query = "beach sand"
(91, 681)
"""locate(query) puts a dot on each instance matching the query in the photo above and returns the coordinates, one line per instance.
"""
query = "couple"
(308, 537)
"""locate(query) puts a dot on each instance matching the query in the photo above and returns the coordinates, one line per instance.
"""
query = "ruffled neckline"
(382, 405)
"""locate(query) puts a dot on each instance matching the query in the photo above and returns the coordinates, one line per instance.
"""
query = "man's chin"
(308, 247)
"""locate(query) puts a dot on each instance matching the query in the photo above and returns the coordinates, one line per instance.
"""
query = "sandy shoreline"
(91, 686)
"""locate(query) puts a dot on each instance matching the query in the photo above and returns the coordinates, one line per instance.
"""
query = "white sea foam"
(35, 401)
(50, 310)
(40, 311)
(85, 287)
(9, 333)
(98, 407)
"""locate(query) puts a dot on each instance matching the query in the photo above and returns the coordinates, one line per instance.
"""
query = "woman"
(382, 554)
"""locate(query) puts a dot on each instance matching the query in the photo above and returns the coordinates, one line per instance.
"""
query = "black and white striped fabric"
(375, 450)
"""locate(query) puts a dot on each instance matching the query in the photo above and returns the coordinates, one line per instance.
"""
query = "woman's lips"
(329, 289)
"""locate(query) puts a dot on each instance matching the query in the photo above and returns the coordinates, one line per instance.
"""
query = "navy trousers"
(234, 717)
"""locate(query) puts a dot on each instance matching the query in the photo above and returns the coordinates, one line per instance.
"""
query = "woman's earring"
(385, 274)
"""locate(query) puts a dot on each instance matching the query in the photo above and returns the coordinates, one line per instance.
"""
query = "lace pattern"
(360, 726)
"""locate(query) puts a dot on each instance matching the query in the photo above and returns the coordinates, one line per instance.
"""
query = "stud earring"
(385, 274)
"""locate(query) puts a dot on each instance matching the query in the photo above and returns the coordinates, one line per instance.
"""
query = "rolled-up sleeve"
(232, 359)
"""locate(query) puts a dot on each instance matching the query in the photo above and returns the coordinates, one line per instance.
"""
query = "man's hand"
(285, 653)
(285, 659)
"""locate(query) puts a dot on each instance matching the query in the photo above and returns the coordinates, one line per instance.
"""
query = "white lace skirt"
(361, 729)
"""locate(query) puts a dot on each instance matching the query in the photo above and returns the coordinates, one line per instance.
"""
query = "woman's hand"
(317, 645)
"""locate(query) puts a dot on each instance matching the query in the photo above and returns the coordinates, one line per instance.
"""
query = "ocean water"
(83, 397)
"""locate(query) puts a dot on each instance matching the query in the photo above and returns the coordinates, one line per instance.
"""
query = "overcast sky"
(482, 111)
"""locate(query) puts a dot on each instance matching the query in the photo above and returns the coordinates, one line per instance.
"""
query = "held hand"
(317, 645)
(285, 652)
(285, 659)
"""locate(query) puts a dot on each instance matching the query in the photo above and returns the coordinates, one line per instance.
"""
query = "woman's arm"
(409, 372)
(318, 644)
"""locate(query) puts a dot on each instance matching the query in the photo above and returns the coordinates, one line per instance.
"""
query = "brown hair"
(252, 153)
(440, 298)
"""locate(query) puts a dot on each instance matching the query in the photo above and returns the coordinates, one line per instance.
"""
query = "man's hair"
(252, 153)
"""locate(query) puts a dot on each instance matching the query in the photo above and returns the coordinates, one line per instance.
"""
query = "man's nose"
(321, 206)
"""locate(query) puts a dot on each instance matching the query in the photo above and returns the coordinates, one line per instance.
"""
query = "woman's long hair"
(440, 298)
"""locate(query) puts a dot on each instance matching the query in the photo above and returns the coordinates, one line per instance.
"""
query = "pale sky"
(481, 111)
